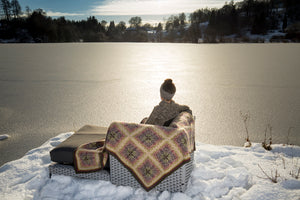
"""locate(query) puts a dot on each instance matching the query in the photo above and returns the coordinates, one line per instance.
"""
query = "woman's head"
(167, 90)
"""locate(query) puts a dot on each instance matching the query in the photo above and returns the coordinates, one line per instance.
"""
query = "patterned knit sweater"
(165, 112)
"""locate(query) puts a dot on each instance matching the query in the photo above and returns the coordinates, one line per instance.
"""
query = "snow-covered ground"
(220, 172)
(252, 38)
(267, 37)
(4, 137)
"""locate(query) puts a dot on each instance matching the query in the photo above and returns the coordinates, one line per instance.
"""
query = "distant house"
(131, 29)
(152, 35)
(200, 40)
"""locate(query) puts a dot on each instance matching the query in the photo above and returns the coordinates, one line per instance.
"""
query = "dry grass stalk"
(264, 143)
(288, 135)
(295, 172)
(246, 117)
(298, 174)
(283, 162)
(272, 177)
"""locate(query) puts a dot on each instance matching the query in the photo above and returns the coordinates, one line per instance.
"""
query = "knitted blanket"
(90, 157)
(187, 122)
(150, 152)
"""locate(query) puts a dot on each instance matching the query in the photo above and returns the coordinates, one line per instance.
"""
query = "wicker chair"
(119, 174)
(121, 170)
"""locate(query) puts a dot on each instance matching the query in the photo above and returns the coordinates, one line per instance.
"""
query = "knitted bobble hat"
(167, 89)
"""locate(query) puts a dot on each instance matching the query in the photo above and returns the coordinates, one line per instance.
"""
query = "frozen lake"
(47, 89)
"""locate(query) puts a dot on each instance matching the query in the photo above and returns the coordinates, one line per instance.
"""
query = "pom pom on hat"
(167, 89)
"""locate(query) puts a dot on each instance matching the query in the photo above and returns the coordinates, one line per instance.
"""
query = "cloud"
(152, 7)
(60, 14)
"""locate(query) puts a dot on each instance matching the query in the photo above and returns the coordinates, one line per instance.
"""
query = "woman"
(164, 113)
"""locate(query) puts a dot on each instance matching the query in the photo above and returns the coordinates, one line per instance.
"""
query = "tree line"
(208, 25)
(252, 16)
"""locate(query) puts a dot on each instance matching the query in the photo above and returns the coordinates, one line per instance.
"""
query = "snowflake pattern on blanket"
(151, 152)
(90, 157)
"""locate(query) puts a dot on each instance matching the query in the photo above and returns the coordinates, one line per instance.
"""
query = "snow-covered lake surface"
(220, 172)
(47, 89)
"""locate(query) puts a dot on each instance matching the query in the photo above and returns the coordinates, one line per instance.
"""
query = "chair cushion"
(64, 152)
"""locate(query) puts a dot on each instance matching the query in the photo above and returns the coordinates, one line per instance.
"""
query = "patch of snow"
(247, 144)
(267, 37)
(204, 24)
(4, 137)
(9, 40)
(220, 172)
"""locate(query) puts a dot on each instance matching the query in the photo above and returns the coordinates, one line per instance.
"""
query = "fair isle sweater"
(165, 112)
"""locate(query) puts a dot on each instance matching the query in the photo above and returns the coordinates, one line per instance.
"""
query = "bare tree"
(28, 11)
(5, 7)
(16, 8)
(182, 19)
(135, 21)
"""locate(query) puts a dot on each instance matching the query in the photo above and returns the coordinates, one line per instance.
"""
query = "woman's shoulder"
(177, 104)
(182, 108)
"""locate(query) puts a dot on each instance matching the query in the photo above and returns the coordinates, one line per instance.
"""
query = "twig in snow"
(295, 172)
(283, 162)
(264, 143)
(246, 117)
(273, 178)
(297, 176)
(288, 135)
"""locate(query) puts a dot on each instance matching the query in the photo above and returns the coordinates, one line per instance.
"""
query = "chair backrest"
(183, 119)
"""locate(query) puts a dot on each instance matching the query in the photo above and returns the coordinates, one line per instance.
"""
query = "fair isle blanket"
(90, 157)
(150, 152)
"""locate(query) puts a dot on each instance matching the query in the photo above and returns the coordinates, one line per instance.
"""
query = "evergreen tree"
(284, 24)
(121, 27)
(112, 31)
(194, 33)
(120, 30)
(257, 16)
(159, 29)
(182, 19)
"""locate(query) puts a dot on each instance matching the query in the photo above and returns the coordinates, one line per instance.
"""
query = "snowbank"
(220, 172)
(4, 137)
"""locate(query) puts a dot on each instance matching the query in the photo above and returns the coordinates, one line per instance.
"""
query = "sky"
(151, 11)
